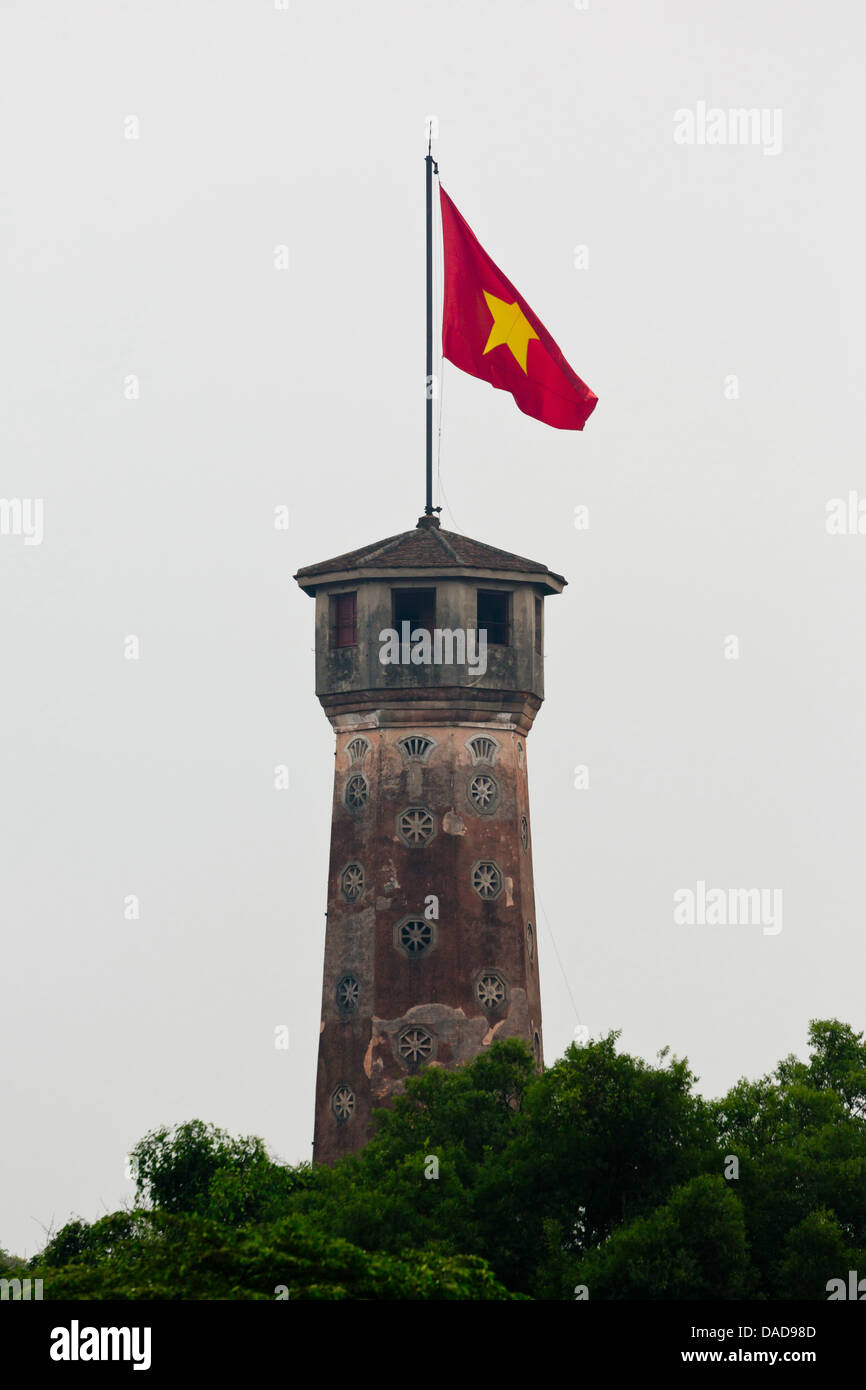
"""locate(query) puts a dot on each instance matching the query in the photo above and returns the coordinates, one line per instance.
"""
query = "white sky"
(155, 257)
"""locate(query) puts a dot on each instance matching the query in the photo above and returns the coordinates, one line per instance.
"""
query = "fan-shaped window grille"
(483, 748)
(357, 750)
(416, 747)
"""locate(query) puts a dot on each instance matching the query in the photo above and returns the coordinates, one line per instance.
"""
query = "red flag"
(489, 330)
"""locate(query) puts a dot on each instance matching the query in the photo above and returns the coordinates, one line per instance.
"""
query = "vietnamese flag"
(489, 330)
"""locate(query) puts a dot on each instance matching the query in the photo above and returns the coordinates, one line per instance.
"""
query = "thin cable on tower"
(439, 284)
(457, 527)
(561, 966)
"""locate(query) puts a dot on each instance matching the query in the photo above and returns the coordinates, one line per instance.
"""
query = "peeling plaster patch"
(322, 1026)
(509, 892)
(452, 824)
(491, 1033)
(382, 904)
(432, 1012)
(368, 1059)
(352, 722)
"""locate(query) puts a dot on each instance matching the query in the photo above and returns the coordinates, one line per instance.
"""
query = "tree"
(605, 1171)
(800, 1138)
(160, 1256)
(692, 1247)
(198, 1169)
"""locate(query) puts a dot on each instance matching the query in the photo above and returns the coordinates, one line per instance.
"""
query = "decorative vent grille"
(416, 747)
(487, 880)
(352, 882)
(357, 792)
(530, 943)
(343, 1104)
(348, 994)
(483, 748)
(490, 990)
(483, 793)
(415, 1045)
(415, 936)
(524, 832)
(357, 750)
(416, 826)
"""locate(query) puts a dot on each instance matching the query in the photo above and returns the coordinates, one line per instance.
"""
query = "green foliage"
(164, 1256)
(200, 1170)
(694, 1246)
(800, 1136)
(814, 1252)
(605, 1171)
(12, 1266)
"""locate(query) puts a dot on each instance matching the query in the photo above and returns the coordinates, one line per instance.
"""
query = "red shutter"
(345, 634)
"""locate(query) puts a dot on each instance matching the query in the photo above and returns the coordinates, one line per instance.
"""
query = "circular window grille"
(416, 826)
(490, 990)
(352, 882)
(416, 936)
(415, 1045)
(483, 792)
(520, 754)
(530, 943)
(356, 792)
(348, 994)
(487, 880)
(343, 1104)
(524, 833)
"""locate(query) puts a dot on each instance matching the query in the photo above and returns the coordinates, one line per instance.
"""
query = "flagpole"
(428, 509)
(432, 168)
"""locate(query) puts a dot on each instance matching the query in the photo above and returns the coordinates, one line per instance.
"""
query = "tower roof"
(424, 552)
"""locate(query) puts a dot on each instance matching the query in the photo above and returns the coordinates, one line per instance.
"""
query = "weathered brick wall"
(430, 996)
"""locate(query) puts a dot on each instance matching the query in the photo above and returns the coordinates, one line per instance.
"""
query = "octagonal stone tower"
(431, 946)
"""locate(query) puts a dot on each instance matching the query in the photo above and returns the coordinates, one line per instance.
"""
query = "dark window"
(344, 627)
(539, 609)
(494, 615)
(416, 607)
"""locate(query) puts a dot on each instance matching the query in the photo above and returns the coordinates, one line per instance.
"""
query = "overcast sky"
(717, 311)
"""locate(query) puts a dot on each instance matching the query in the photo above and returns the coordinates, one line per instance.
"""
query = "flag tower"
(429, 666)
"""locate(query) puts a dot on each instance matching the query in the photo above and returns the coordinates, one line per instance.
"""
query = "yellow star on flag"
(510, 326)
